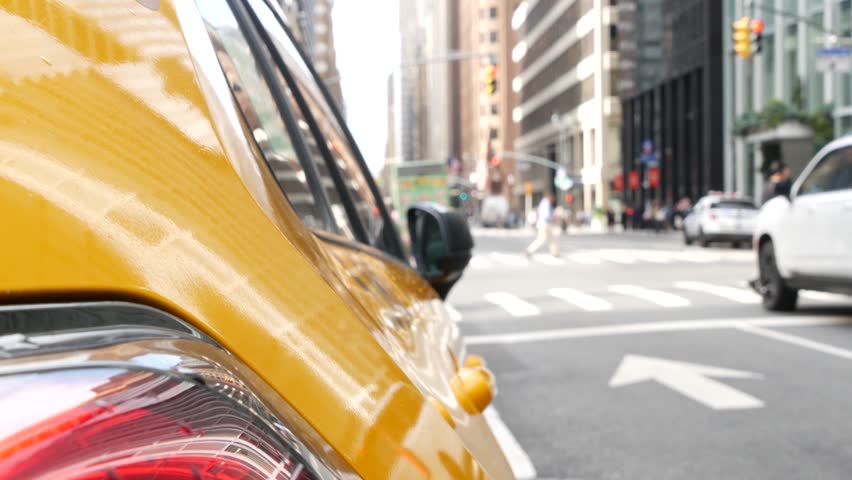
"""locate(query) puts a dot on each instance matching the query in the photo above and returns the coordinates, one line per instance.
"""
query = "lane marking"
(616, 256)
(652, 327)
(580, 300)
(659, 297)
(584, 258)
(652, 256)
(548, 259)
(455, 315)
(824, 296)
(509, 259)
(697, 256)
(513, 305)
(479, 262)
(522, 467)
(739, 295)
(798, 341)
(692, 380)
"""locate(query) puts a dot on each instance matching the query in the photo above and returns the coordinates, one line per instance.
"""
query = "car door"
(818, 227)
(410, 318)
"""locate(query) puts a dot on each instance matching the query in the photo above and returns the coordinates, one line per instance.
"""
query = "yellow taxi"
(198, 278)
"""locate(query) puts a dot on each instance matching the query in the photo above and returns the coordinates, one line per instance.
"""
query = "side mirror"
(441, 243)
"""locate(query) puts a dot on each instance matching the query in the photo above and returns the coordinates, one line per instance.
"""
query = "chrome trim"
(40, 328)
(223, 109)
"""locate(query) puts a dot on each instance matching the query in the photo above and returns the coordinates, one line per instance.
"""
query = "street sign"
(833, 59)
(689, 379)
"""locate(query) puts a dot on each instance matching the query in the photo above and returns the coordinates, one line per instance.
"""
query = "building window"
(492, 134)
(492, 12)
(494, 109)
(494, 36)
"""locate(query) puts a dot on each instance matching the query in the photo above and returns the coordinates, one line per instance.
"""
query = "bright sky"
(366, 39)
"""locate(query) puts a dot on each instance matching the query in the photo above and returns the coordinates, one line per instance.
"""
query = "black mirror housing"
(441, 243)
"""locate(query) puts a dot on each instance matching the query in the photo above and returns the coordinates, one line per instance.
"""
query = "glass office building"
(785, 70)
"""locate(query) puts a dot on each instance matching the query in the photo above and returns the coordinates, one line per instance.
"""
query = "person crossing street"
(544, 217)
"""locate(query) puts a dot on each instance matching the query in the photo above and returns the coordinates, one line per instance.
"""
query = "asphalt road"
(631, 356)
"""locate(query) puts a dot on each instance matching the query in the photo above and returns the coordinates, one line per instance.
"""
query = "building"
(484, 38)
(669, 81)
(312, 19)
(784, 73)
(422, 129)
(568, 110)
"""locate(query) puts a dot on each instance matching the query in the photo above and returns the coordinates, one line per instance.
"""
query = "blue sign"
(647, 147)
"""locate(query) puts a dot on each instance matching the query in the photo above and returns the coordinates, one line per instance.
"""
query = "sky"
(366, 39)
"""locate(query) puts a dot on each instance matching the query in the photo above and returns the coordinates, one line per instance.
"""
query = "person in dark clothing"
(779, 183)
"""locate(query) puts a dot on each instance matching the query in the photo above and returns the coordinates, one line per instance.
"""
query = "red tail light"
(115, 424)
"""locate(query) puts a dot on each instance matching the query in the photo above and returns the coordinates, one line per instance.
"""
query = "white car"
(495, 211)
(720, 218)
(805, 241)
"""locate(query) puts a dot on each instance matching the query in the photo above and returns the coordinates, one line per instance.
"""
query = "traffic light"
(495, 162)
(490, 79)
(757, 29)
(742, 38)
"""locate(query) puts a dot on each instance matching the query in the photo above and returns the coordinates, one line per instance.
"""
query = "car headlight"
(128, 401)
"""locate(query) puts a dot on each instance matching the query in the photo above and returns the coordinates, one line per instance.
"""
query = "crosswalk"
(679, 294)
(611, 256)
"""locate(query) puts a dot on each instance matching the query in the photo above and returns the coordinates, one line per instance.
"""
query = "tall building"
(786, 71)
(485, 38)
(568, 112)
(312, 19)
(670, 80)
(423, 121)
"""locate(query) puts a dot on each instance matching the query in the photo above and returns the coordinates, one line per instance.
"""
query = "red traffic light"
(495, 161)
(569, 198)
(757, 26)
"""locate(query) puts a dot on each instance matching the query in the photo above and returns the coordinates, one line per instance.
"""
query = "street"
(633, 356)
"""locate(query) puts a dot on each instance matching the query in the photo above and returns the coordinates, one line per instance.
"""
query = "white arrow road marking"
(739, 295)
(580, 300)
(522, 467)
(663, 299)
(510, 260)
(689, 379)
(513, 305)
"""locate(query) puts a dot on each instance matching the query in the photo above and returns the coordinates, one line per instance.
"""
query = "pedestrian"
(544, 217)
(778, 183)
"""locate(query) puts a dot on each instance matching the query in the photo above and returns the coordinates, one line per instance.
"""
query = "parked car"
(199, 278)
(804, 240)
(720, 218)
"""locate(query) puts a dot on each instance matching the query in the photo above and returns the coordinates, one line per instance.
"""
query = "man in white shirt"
(543, 222)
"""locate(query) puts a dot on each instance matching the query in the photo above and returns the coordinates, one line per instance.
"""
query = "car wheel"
(777, 296)
(703, 239)
(686, 238)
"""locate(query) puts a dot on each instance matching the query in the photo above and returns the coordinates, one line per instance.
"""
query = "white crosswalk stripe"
(619, 256)
(584, 258)
(509, 259)
(739, 295)
(548, 260)
(659, 297)
(580, 300)
(512, 304)
(824, 296)
(616, 256)
(479, 262)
